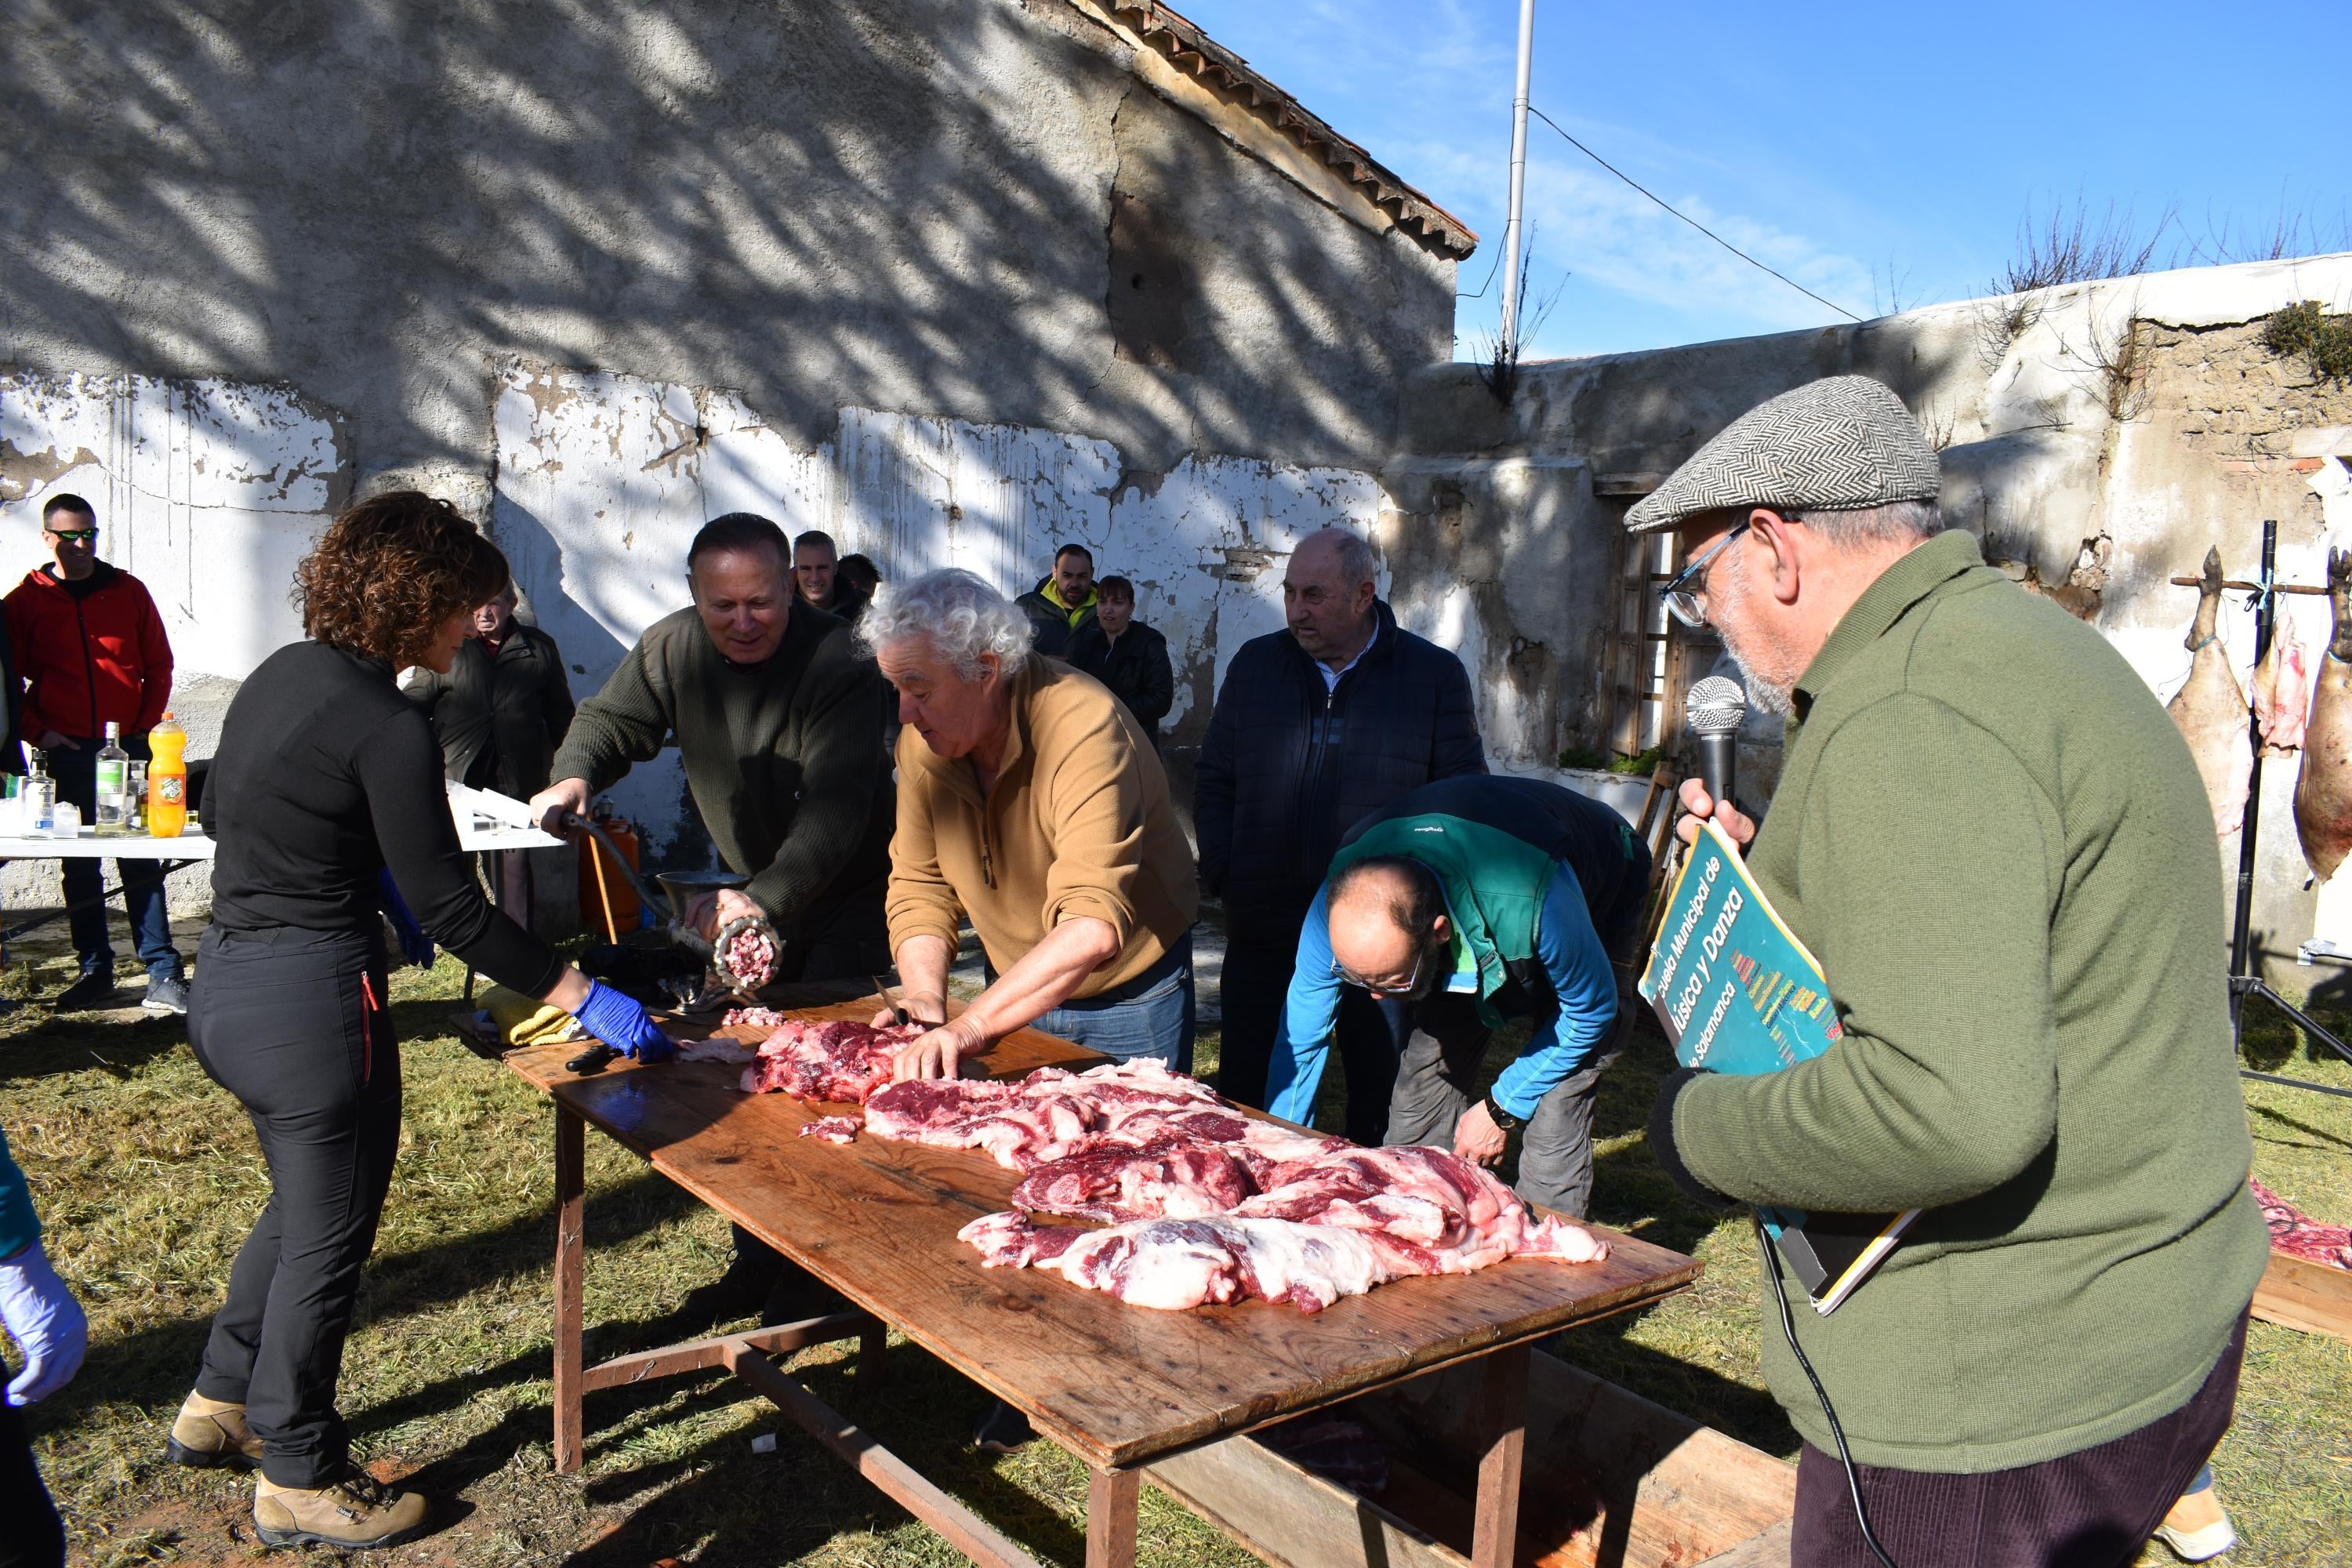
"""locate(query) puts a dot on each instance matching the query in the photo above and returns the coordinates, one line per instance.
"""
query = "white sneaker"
(2197, 1528)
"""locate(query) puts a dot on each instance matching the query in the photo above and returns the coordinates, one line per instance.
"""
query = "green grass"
(148, 1177)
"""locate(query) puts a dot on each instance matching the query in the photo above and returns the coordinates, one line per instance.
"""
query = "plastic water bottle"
(113, 786)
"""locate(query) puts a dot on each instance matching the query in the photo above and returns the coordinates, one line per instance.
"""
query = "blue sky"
(1844, 143)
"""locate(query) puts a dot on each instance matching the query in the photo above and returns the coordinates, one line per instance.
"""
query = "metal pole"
(1518, 183)
(2241, 933)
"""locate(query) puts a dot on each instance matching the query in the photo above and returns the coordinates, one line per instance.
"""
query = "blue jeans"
(76, 771)
(1151, 1016)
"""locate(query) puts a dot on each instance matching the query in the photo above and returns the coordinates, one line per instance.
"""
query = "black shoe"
(95, 988)
(1002, 1430)
(166, 994)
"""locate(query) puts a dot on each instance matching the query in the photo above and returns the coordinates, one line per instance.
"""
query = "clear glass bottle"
(41, 814)
(135, 808)
(113, 786)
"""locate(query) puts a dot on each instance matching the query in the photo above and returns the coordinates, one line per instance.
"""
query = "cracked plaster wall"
(2093, 487)
(258, 262)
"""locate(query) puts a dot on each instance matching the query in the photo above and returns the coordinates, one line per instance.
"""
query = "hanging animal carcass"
(2210, 708)
(2323, 792)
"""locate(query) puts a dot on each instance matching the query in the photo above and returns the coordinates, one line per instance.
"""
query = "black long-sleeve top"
(327, 775)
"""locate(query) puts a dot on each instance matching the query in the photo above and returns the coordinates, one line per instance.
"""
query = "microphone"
(1713, 712)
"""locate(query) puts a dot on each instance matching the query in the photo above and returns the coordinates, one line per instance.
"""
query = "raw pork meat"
(832, 1129)
(2298, 1235)
(1428, 1211)
(2323, 791)
(1171, 1176)
(1046, 1115)
(758, 1018)
(2282, 689)
(836, 1062)
(750, 955)
(2211, 710)
(1172, 1264)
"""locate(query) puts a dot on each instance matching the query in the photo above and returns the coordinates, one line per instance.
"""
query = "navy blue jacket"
(1286, 769)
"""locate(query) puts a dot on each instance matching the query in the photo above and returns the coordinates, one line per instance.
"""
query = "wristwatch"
(1501, 1117)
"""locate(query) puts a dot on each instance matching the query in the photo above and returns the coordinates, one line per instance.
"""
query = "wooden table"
(1117, 1386)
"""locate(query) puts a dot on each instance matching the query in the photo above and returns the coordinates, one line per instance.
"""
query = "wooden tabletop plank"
(1115, 1383)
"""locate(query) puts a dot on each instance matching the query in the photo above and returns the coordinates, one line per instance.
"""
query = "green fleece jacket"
(784, 758)
(1995, 842)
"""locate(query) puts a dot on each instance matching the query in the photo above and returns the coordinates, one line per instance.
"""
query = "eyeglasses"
(1412, 981)
(74, 535)
(1680, 592)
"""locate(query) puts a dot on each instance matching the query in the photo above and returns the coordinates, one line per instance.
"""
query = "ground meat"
(758, 1018)
(750, 955)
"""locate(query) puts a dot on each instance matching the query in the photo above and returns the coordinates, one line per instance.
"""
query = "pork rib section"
(1173, 1264)
(837, 1062)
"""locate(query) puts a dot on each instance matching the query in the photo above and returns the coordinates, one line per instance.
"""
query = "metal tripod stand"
(2245, 978)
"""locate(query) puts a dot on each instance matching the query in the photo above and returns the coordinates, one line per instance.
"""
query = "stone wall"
(957, 279)
(2098, 437)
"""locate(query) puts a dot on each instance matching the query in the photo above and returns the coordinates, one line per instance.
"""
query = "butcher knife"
(896, 1010)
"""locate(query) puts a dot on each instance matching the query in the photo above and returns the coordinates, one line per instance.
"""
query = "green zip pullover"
(1995, 842)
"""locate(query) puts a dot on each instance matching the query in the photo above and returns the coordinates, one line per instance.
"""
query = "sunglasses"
(1681, 591)
(77, 535)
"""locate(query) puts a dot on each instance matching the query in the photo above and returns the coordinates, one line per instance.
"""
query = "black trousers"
(31, 1535)
(1259, 954)
(292, 1023)
(2092, 1508)
(848, 959)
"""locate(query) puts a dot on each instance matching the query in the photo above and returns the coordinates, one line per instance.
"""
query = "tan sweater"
(1079, 822)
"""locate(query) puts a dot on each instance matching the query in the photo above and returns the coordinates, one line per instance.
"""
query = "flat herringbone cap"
(1838, 445)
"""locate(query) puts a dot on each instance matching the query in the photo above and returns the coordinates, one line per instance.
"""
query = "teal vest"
(1494, 885)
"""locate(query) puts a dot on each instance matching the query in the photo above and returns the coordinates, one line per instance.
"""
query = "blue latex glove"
(47, 1323)
(620, 1022)
(414, 945)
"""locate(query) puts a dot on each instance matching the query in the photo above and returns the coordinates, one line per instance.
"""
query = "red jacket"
(88, 660)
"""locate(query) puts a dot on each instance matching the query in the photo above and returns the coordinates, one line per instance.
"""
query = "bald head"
(1327, 595)
(1388, 926)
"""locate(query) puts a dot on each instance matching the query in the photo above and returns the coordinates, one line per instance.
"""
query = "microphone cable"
(1788, 1326)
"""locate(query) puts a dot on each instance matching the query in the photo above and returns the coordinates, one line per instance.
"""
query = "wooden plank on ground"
(1114, 1383)
(1611, 1478)
(2301, 1294)
(1289, 1515)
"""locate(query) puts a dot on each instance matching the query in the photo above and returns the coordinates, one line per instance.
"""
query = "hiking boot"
(211, 1433)
(166, 994)
(2197, 1528)
(95, 988)
(1002, 1430)
(354, 1512)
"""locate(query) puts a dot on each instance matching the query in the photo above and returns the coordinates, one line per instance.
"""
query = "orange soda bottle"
(167, 780)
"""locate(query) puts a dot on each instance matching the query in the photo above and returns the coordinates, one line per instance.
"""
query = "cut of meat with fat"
(1173, 1264)
(1431, 1210)
(1052, 1114)
(1173, 1176)
(835, 1062)
(832, 1129)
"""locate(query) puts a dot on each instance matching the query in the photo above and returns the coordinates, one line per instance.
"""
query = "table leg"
(1110, 1517)
(872, 1340)
(1502, 1428)
(570, 1249)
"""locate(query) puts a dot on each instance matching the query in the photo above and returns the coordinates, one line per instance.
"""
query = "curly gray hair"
(958, 613)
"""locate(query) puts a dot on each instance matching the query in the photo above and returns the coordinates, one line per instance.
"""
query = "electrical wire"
(1788, 1326)
(1718, 239)
(1490, 280)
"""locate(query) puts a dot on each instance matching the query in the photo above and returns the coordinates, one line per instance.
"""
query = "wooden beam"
(957, 1525)
(1502, 1417)
(2301, 1294)
(2248, 587)
(1112, 1497)
(571, 1258)
(696, 1354)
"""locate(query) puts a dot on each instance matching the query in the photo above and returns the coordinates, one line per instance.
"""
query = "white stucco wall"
(604, 477)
